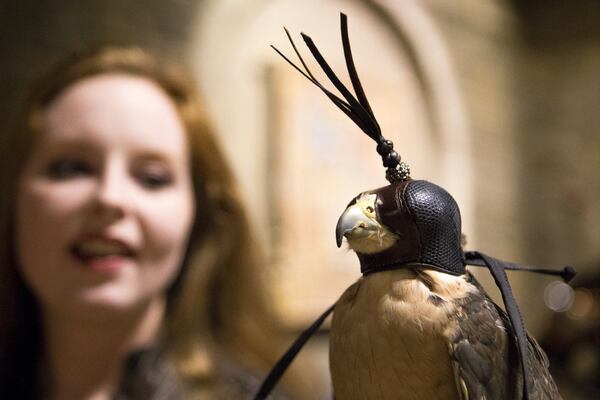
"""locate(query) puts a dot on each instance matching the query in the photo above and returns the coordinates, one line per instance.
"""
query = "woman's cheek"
(47, 218)
(166, 225)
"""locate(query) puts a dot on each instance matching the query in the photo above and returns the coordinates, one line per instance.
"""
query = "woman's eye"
(155, 179)
(68, 168)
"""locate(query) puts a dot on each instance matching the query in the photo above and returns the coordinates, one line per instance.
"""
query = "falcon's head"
(362, 228)
(409, 222)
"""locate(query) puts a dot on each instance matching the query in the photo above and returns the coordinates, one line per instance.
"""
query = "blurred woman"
(127, 268)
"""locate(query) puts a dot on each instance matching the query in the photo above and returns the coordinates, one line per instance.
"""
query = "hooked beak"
(351, 222)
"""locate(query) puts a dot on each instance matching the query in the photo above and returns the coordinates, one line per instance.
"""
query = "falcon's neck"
(419, 285)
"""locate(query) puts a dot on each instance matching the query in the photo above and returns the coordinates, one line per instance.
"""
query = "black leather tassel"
(356, 107)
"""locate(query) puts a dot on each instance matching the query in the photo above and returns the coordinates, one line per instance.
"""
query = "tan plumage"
(386, 329)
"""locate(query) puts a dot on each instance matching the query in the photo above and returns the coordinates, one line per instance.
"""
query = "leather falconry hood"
(424, 215)
(427, 219)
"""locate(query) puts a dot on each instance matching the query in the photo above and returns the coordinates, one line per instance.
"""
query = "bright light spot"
(558, 296)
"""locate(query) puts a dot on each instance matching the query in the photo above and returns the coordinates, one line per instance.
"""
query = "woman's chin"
(103, 303)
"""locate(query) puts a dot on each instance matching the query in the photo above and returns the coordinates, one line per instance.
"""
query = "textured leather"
(438, 219)
(427, 220)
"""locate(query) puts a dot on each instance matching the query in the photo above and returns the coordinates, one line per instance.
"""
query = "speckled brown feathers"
(484, 355)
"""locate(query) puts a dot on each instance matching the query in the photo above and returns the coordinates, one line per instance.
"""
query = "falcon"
(419, 331)
(417, 325)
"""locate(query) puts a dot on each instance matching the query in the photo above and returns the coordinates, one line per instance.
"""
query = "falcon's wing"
(484, 354)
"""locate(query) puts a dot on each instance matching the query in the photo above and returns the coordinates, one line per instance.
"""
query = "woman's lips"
(102, 254)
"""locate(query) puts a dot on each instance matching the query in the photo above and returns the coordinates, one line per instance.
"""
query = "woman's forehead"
(118, 108)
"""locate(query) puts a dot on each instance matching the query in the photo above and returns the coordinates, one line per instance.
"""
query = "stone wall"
(529, 71)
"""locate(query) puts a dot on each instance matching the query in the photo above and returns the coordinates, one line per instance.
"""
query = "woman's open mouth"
(102, 254)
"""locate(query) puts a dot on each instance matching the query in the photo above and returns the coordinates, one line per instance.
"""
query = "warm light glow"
(583, 302)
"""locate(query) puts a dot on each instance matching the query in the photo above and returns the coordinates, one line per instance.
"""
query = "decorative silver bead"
(398, 174)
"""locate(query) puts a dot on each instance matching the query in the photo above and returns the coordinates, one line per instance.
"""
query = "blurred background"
(498, 101)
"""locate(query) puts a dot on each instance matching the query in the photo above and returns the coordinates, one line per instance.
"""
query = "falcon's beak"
(354, 223)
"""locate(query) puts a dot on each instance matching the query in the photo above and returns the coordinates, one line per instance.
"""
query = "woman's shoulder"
(238, 382)
(148, 375)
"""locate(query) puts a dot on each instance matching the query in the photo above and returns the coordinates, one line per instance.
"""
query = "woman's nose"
(113, 192)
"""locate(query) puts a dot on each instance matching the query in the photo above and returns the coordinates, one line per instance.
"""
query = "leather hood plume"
(357, 108)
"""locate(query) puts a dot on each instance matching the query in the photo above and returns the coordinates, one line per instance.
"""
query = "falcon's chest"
(389, 335)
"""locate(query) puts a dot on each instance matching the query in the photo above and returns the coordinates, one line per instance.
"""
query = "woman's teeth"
(101, 248)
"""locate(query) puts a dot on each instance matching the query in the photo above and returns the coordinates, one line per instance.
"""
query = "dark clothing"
(149, 376)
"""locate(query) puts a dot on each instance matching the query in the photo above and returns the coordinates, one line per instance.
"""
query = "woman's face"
(105, 201)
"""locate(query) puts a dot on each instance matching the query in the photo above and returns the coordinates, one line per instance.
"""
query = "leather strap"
(285, 361)
(498, 270)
